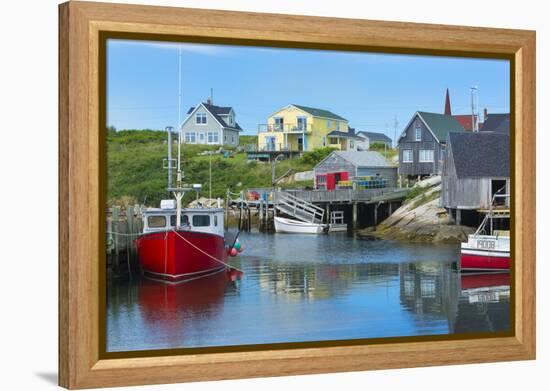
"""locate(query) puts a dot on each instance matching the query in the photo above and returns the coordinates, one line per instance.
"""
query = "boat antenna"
(179, 118)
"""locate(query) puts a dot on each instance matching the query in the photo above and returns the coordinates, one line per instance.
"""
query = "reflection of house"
(422, 143)
(368, 138)
(477, 166)
(301, 128)
(347, 165)
(209, 124)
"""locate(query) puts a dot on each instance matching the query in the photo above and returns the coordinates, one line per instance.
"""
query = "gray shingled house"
(498, 122)
(423, 142)
(212, 125)
(476, 167)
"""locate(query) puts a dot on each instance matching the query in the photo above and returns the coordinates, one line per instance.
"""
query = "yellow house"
(301, 128)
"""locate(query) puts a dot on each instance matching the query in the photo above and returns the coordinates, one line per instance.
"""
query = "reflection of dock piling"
(124, 224)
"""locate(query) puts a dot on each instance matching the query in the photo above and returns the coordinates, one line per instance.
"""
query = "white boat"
(289, 226)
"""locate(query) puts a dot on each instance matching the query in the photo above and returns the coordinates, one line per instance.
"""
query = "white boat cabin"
(209, 220)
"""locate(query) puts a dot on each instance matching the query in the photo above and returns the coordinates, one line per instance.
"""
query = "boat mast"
(179, 190)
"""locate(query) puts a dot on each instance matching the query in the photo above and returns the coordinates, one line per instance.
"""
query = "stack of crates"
(370, 182)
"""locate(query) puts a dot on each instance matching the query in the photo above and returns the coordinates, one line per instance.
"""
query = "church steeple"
(447, 104)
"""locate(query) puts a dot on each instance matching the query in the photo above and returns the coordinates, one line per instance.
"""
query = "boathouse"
(349, 165)
(476, 167)
(423, 142)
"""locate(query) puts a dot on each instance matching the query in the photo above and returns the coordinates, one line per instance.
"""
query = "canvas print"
(260, 196)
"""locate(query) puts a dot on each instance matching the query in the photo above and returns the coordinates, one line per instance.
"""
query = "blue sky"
(368, 89)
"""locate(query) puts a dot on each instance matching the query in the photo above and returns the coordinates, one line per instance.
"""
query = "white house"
(211, 125)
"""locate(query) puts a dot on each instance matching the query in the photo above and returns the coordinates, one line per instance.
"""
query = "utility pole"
(395, 124)
(211, 96)
(473, 92)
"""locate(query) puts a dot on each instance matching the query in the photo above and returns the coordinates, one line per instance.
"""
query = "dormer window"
(200, 118)
(417, 133)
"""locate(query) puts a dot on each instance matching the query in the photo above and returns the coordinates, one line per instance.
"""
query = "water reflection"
(309, 288)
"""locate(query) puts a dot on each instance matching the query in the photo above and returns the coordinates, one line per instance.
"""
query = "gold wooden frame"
(80, 181)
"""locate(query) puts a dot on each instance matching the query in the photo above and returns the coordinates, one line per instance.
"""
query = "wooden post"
(327, 208)
(376, 214)
(114, 230)
(389, 208)
(458, 216)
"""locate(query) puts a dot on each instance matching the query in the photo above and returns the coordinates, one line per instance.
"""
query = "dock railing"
(346, 195)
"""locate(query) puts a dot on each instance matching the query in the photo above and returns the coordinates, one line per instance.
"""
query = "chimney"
(209, 101)
(447, 103)
(485, 114)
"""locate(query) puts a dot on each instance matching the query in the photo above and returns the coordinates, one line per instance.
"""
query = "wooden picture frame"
(81, 236)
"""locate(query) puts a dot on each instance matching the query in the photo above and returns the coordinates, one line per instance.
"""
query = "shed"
(476, 167)
(349, 165)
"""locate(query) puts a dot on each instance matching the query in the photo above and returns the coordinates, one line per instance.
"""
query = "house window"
(426, 156)
(324, 141)
(417, 133)
(351, 144)
(200, 118)
(302, 123)
(233, 139)
(278, 123)
(190, 137)
(225, 138)
(328, 124)
(213, 138)
(407, 156)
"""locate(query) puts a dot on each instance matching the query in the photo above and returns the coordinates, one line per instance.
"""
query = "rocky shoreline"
(421, 219)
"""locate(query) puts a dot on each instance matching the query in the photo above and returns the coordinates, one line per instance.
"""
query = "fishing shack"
(475, 169)
(346, 169)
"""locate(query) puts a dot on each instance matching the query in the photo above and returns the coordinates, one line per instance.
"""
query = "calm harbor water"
(310, 288)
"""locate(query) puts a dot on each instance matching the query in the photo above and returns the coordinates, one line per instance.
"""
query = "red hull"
(177, 256)
(483, 262)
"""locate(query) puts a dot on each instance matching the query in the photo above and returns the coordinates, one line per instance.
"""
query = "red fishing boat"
(487, 249)
(183, 244)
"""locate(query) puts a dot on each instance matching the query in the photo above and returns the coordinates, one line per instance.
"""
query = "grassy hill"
(135, 173)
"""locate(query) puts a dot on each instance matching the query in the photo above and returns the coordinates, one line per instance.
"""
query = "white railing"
(299, 208)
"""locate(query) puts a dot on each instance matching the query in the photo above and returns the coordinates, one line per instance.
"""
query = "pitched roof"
(337, 133)
(481, 154)
(373, 136)
(217, 112)
(465, 120)
(440, 125)
(319, 112)
(497, 123)
(364, 158)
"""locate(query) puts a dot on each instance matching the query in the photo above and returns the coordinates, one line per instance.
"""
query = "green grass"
(135, 173)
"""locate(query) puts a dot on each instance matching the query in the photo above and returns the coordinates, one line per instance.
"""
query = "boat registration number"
(486, 244)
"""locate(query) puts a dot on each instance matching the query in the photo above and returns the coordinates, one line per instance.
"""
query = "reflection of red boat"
(161, 300)
(484, 280)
